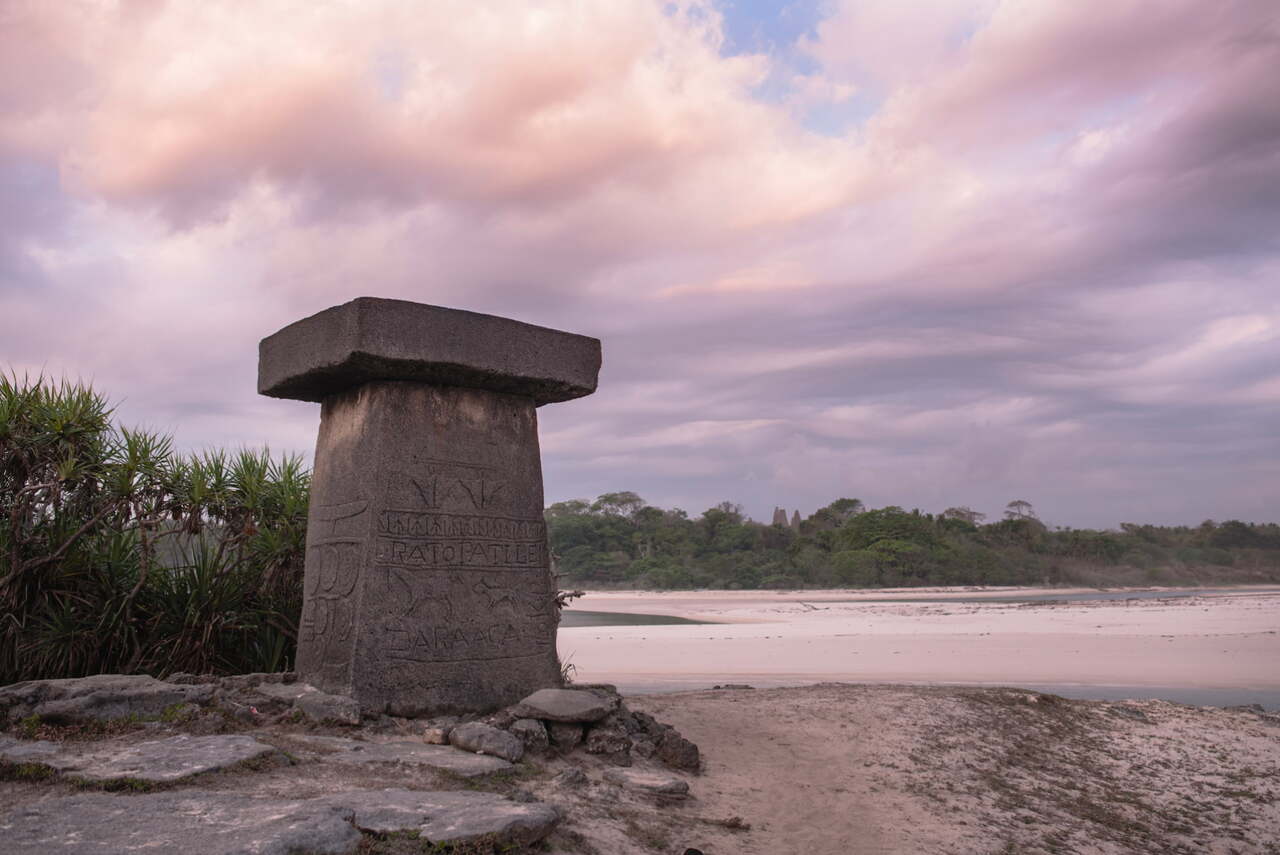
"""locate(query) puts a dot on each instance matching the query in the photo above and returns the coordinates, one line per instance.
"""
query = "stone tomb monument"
(428, 587)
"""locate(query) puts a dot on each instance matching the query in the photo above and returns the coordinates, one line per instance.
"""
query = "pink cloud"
(984, 285)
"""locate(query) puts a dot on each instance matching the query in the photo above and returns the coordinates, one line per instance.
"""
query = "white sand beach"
(862, 764)
(1227, 639)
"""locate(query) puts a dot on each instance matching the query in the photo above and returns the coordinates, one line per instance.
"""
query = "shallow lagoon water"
(1063, 596)
(578, 617)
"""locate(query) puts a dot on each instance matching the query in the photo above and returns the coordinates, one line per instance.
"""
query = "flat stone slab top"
(449, 816)
(446, 758)
(565, 705)
(371, 338)
(101, 697)
(185, 822)
(157, 761)
(485, 739)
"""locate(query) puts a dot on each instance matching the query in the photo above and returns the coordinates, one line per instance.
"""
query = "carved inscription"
(425, 540)
(476, 489)
(335, 558)
(441, 616)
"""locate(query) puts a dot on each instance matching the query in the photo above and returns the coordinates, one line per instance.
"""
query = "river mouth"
(576, 617)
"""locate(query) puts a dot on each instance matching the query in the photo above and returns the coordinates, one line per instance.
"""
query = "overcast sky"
(919, 252)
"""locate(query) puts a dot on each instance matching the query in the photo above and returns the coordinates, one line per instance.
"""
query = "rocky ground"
(260, 764)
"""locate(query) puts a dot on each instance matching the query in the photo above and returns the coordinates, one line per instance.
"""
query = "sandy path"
(763, 762)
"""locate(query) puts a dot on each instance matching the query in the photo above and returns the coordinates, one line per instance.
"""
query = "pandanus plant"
(119, 555)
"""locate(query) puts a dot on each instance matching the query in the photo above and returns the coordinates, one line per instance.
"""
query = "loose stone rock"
(566, 705)
(449, 817)
(532, 733)
(102, 697)
(484, 739)
(163, 760)
(657, 783)
(322, 706)
(444, 757)
(609, 739)
(678, 752)
(565, 736)
(256, 680)
(572, 777)
(289, 692)
(183, 678)
(648, 725)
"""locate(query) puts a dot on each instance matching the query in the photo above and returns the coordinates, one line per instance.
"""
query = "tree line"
(619, 540)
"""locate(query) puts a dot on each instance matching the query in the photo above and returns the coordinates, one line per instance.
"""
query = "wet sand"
(1220, 640)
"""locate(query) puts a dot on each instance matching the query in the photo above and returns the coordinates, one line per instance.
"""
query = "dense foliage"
(117, 555)
(619, 540)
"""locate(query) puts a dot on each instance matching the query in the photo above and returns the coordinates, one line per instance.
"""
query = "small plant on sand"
(24, 772)
(29, 727)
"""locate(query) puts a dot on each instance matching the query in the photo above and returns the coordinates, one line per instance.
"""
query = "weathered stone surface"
(565, 736)
(450, 817)
(428, 586)
(289, 692)
(155, 761)
(571, 777)
(532, 733)
(678, 752)
(181, 822)
(371, 339)
(650, 782)
(161, 760)
(444, 757)
(100, 698)
(610, 741)
(28, 751)
(251, 681)
(322, 706)
(185, 822)
(484, 739)
(566, 705)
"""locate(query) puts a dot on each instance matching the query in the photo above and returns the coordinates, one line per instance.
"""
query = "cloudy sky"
(921, 252)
